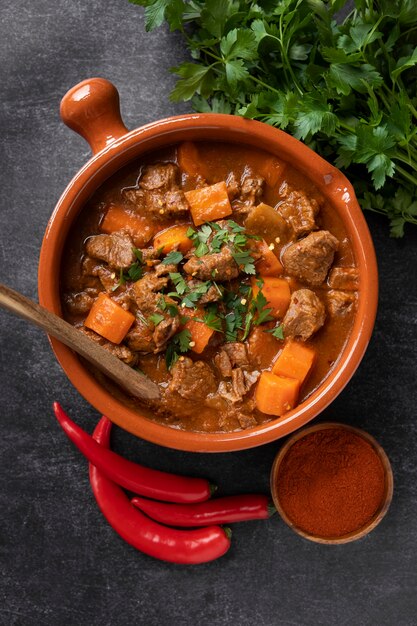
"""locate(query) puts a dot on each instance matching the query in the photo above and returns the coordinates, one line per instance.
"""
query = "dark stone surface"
(61, 564)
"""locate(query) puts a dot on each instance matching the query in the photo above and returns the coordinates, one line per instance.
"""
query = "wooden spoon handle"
(136, 384)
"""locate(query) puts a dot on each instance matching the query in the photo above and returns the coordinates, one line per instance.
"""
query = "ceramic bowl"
(91, 108)
(379, 513)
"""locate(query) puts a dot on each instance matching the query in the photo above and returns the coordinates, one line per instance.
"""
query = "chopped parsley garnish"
(179, 282)
(211, 237)
(163, 305)
(211, 319)
(245, 261)
(173, 258)
(277, 332)
(179, 343)
(156, 318)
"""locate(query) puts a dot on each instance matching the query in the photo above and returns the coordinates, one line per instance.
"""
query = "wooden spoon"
(136, 384)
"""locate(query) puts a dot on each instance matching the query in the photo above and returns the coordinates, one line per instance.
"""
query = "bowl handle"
(91, 108)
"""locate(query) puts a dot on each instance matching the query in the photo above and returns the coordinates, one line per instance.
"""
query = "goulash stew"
(221, 273)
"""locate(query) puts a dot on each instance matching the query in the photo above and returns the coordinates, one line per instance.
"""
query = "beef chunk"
(310, 258)
(251, 187)
(175, 204)
(237, 353)
(164, 330)
(192, 379)
(238, 387)
(223, 364)
(238, 382)
(164, 270)
(246, 421)
(340, 303)
(108, 277)
(115, 249)
(145, 291)
(122, 352)
(158, 192)
(134, 196)
(160, 176)
(151, 254)
(80, 303)
(305, 315)
(140, 337)
(218, 266)
(89, 266)
(346, 278)
(233, 187)
(299, 211)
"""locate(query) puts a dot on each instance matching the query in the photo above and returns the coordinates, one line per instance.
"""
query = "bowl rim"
(379, 513)
(168, 131)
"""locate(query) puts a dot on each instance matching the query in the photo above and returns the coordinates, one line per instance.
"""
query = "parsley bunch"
(344, 87)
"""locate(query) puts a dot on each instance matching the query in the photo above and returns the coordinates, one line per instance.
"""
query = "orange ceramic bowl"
(92, 109)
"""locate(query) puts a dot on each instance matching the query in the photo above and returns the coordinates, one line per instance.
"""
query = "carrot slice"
(209, 203)
(277, 293)
(173, 237)
(200, 334)
(189, 159)
(117, 218)
(295, 361)
(275, 395)
(268, 264)
(109, 319)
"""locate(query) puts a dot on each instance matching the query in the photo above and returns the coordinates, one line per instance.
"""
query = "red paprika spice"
(331, 482)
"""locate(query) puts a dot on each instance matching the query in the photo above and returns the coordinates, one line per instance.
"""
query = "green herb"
(260, 309)
(277, 332)
(121, 281)
(173, 258)
(211, 318)
(138, 254)
(179, 343)
(245, 261)
(163, 305)
(346, 89)
(179, 282)
(156, 318)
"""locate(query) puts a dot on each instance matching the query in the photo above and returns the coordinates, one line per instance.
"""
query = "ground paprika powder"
(331, 482)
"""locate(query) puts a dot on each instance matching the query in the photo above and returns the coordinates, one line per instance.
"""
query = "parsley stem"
(406, 175)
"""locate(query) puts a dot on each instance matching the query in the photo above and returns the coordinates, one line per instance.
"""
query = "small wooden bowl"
(379, 514)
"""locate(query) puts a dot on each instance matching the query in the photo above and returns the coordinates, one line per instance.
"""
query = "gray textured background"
(60, 562)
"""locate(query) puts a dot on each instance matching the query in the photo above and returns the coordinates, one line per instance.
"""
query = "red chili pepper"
(218, 511)
(132, 476)
(168, 544)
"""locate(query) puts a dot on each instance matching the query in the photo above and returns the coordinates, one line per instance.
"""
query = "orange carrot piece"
(109, 319)
(268, 264)
(117, 218)
(275, 395)
(173, 237)
(189, 159)
(295, 361)
(277, 293)
(209, 203)
(200, 334)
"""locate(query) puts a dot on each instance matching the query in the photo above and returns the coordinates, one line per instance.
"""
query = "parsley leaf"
(345, 86)
(173, 258)
(277, 332)
(156, 318)
(179, 343)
